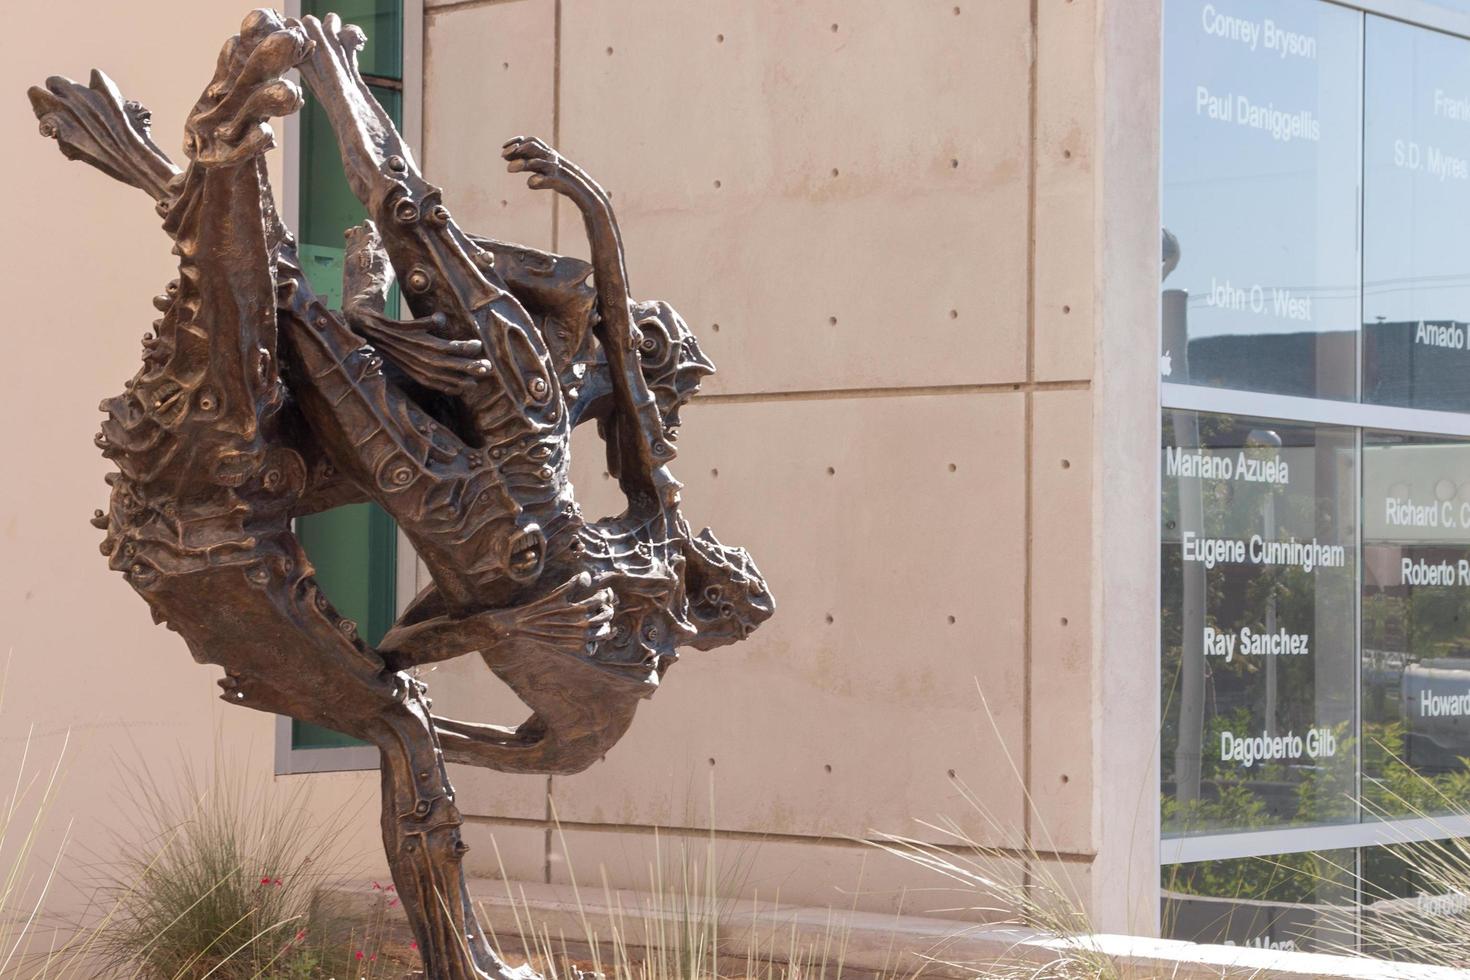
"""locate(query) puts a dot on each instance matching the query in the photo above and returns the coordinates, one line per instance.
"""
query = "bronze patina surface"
(256, 403)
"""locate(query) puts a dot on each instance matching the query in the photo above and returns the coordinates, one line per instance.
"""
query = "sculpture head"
(728, 597)
(672, 363)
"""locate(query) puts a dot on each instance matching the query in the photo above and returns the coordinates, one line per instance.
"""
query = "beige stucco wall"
(920, 240)
(85, 255)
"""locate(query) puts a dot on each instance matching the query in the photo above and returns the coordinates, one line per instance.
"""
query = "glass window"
(1279, 901)
(1313, 675)
(381, 21)
(1416, 624)
(1259, 578)
(328, 206)
(1260, 193)
(353, 550)
(1416, 207)
(1416, 900)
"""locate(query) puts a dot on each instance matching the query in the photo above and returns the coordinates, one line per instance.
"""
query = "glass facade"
(1315, 552)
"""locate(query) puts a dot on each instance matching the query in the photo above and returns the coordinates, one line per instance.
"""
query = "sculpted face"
(672, 363)
(728, 597)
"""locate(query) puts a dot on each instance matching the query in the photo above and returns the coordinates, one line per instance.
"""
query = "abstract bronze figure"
(255, 404)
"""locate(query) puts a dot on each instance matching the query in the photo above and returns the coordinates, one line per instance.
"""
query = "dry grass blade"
(215, 879)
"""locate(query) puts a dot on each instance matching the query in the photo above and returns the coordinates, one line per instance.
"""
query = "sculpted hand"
(228, 123)
(559, 620)
(556, 619)
(550, 170)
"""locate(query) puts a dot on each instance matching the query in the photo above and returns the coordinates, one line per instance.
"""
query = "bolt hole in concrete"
(828, 767)
(834, 28)
(951, 620)
(1066, 310)
(712, 760)
(957, 11)
(830, 620)
(952, 467)
(715, 473)
(954, 164)
(1066, 154)
(609, 49)
(505, 65)
(831, 471)
(1066, 778)
(719, 39)
(1066, 464)
(951, 774)
(954, 314)
(715, 327)
(1064, 620)
(718, 185)
(834, 171)
(831, 321)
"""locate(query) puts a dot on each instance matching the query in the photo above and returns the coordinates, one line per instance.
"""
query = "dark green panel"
(354, 551)
(381, 20)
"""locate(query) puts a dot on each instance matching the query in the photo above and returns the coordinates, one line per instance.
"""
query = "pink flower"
(359, 954)
(413, 945)
(265, 881)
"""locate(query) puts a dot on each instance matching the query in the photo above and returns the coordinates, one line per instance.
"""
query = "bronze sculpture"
(255, 404)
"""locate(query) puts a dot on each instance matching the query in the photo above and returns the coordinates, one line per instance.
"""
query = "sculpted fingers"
(229, 122)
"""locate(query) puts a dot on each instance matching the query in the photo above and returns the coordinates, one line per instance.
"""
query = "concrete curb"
(864, 943)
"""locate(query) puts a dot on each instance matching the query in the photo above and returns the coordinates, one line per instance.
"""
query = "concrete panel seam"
(752, 836)
(448, 8)
(911, 391)
(1028, 450)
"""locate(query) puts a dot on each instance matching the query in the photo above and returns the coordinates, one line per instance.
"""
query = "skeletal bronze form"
(256, 404)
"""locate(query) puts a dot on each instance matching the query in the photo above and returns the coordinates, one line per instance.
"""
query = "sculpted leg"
(421, 835)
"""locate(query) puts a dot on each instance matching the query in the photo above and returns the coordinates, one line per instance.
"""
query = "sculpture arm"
(637, 426)
(440, 268)
(557, 619)
(94, 124)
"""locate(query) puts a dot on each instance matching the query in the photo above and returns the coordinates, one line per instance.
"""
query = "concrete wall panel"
(466, 689)
(1061, 636)
(504, 851)
(882, 500)
(489, 73)
(863, 162)
(1065, 259)
(783, 873)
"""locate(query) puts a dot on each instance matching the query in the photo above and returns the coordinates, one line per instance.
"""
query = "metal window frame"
(288, 760)
(1419, 13)
(1295, 840)
(1295, 408)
